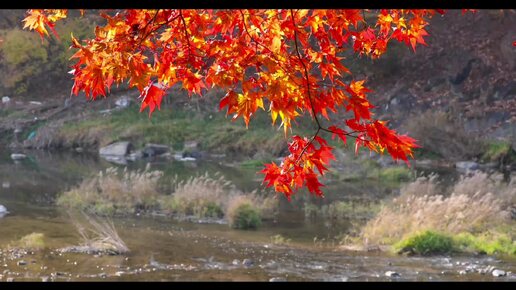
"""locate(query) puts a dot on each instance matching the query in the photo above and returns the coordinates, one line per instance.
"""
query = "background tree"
(288, 62)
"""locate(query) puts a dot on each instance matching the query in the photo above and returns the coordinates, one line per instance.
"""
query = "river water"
(163, 249)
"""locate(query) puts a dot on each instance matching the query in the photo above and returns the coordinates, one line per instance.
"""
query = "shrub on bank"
(243, 214)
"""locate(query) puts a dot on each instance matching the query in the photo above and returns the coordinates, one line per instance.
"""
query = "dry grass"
(98, 236)
(115, 191)
(208, 196)
(476, 204)
(201, 196)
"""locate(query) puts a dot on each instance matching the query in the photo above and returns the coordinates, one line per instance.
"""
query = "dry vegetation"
(119, 192)
(215, 197)
(115, 192)
(98, 237)
(478, 206)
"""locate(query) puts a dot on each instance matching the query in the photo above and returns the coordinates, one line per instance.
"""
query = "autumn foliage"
(286, 62)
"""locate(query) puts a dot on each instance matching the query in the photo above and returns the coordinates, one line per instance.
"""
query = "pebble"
(247, 262)
(45, 279)
(278, 279)
(392, 274)
(21, 263)
(498, 273)
(235, 262)
(462, 272)
(10, 279)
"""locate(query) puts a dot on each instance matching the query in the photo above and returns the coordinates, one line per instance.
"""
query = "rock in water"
(248, 262)
(3, 211)
(277, 279)
(466, 165)
(18, 156)
(123, 102)
(116, 149)
(392, 274)
(498, 273)
(154, 149)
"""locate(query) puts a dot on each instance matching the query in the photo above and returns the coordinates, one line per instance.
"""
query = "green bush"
(426, 243)
(209, 210)
(395, 174)
(499, 151)
(246, 217)
(34, 241)
(486, 243)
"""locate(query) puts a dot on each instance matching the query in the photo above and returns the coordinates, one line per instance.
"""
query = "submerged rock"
(392, 274)
(123, 102)
(18, 156)
(278, 279)
(248, 262)
(101, 249)
(3, 211)
(498, 273)
(466, 166)
(135, 155)
(154, 149)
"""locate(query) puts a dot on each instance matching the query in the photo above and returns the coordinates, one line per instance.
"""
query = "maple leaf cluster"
(286, 62)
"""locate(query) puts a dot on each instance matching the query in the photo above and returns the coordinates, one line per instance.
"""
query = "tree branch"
(186, 32)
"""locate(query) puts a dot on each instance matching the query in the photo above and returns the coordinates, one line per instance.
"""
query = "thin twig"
(186, 32)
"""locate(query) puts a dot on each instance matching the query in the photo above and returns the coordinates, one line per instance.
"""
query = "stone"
(247, 262)
(466, 166)
(10, 279)
(122, 148)
(18, 156)
(395, 101)
(498, 273)
(392, 274)
(195, 154)
(277, 279)
(187, 159)
(123, 102)
(120, 160)
(45, 279)
(21, 263)
(385, 161)
(154, 149)
(191, 145)
(135, 155)
(5, 99)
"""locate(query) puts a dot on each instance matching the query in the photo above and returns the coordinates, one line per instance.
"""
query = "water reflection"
(165, 249)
